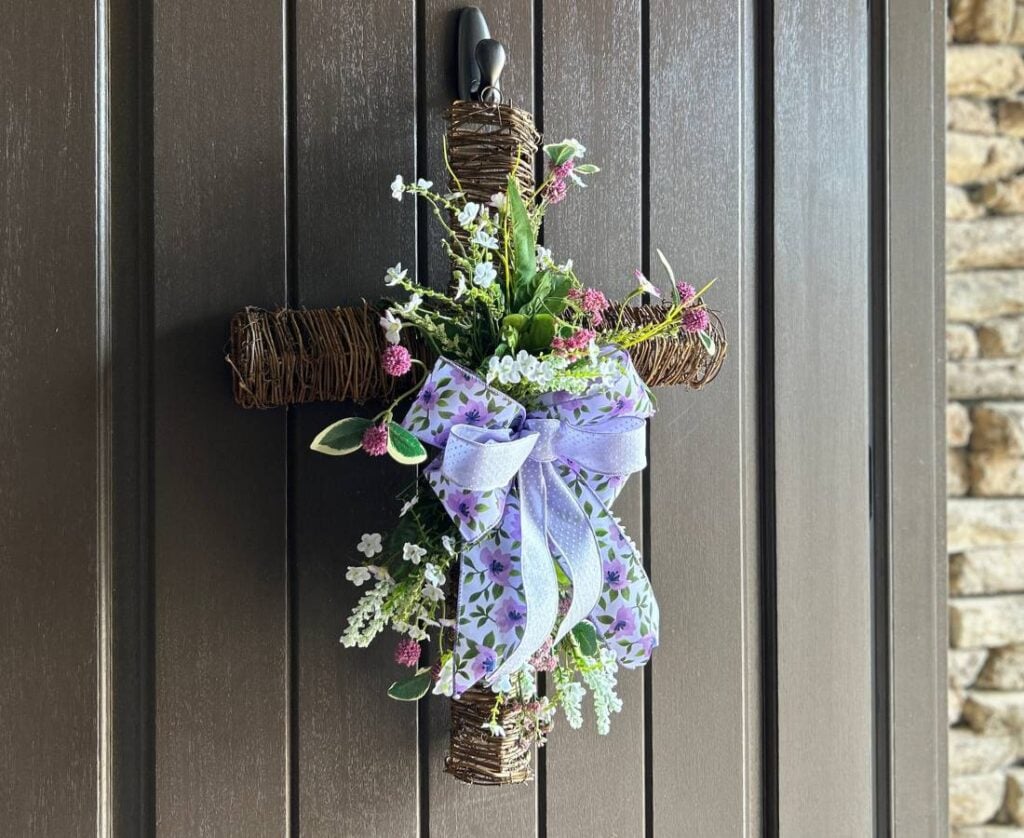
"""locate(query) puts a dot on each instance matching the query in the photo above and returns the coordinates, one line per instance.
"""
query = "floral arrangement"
(506, 556)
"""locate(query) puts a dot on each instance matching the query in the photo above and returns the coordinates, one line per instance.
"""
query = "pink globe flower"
(407, 652)
(375, 440)
(695, 320)
(396, 360)
(686, 291)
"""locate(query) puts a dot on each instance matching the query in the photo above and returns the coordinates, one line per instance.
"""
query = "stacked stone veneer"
(985, 415)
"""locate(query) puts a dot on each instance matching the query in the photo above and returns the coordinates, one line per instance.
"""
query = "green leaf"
(412, 688)
(708, 341)
(559, 153)
(342, 437)
(524, 247)
(586, 169)
(549, 296)
(403, 446)
(586, 636)
(538, 333)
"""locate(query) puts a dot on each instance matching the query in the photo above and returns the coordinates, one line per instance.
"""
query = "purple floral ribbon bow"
(531, 495)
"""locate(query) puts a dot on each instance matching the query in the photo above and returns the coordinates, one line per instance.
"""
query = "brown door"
(172, 567)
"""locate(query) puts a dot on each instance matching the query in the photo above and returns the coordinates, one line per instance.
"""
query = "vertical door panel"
(220, 583)
(457, 809)
(821, 368)
(49, 423)
(592, 91)
(703, 534)
(357, 762)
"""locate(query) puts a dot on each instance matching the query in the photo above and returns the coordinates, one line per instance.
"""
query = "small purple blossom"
(511, 614)
(556, 192)
(427, 396)
(471, 413)
(462, 505)
(484, 663)
(497, 564)
(695, 320)
(648, 642)
(375, 440)
(615, 575)
(625, 622)
(622, 406)
(686, 291)
(407, 652)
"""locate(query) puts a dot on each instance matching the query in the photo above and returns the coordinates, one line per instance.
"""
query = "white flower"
(566, 267)
(432, 593)
(445, 678)
(410, 306)
(449, 544)
(543, 257)
(358, 574)
(392, 327)
(395, 275)
(484, 274)
(484, 239)
(417, 633)
(424, 184)
(413, 553)
(493, 728)
(507, 370)
(369, 544)
(397, 188)
(460, 287)
(379, 573)
(409, 504)
(498, 201)
(432, 574)
(453, 196)
(467, 215)
(645, 284)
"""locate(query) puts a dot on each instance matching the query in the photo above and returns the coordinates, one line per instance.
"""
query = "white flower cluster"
(525, 367)
(602, 679)
(569, 696)
(369, 616)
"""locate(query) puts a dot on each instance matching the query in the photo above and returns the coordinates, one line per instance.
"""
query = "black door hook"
(481, 58)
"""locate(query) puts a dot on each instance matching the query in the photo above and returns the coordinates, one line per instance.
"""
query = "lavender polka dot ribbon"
(531, 495)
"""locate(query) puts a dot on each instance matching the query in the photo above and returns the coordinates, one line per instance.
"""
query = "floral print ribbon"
(527, 491)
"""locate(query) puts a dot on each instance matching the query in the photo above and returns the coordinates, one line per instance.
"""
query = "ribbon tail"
(539, 582)
(572, 533)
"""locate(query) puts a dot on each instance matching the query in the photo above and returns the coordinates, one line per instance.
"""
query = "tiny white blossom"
(544, 257)
(453, 196)
(484, 274)
(369, 544)
(392, 327)
(358, 574)
(395, 275)
(379, 573)
(432, 593)
(508, 371)
(409, 504)
(413, 553)
(646, 285)
(566, 267)
(424, 184)
(449, 544)
(409, 307)
(467, 215)
(432, 574)
(493, 728)
(460, 284)
(397, 188)
(445, 678)
(485, 239)
(498, 201)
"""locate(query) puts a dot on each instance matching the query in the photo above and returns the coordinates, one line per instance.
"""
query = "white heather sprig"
(601, 678)
(369, 616)
(569, 696)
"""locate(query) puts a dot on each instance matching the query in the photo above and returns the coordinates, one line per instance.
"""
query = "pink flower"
(375, 440)
(575, 345)
(563, 170)
(695, 320)
(497, 564)
(686, 291)
(396, 360)
(543, 660)
(511, 614)
(556, 191)
(407, 652)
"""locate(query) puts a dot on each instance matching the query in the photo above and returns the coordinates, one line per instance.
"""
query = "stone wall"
(985, 415)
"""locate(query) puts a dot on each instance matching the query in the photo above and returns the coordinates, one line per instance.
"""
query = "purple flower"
(471, 413)
(427, 396)
(510, 520)
(625, 622)
(615, 576)
(696, 320)
(511, 614)
(462, 378)
(648, 642)
(484, 663)
(686, 291)
(497, 564)
(462, 505)
(622, 405)
(573, 467)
